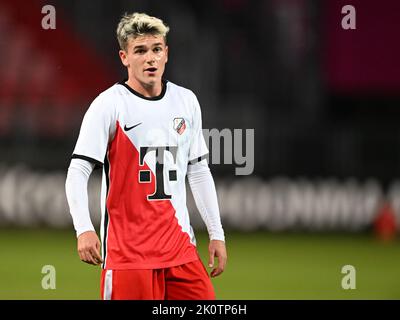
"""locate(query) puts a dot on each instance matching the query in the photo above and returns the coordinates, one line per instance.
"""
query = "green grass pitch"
(260, 266)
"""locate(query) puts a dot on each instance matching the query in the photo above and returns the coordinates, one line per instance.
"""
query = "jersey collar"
(159, 97)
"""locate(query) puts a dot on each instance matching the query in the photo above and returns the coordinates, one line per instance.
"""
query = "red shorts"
(189, 281)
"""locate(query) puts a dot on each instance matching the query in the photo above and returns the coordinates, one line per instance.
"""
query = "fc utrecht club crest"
(179, 125)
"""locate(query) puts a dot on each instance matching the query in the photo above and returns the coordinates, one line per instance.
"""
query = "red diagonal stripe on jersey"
(141, 234)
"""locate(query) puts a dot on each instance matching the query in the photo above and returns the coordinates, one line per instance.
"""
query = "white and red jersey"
(145, 145)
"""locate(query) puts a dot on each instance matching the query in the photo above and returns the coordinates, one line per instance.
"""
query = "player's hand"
(217, 249)
(89, 248)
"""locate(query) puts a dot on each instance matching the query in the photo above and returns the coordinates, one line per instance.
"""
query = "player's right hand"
(89, 248)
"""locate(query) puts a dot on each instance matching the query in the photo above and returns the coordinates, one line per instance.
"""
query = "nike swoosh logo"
(129, 128)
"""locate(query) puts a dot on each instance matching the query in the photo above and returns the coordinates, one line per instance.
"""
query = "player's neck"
(145, 90)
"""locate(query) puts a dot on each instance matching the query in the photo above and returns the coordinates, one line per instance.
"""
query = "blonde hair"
(138, 24)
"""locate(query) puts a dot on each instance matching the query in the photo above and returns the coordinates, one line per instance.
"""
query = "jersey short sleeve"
(198, 148)
(96, 131)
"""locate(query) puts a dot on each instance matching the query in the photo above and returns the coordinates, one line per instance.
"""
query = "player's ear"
(124, 60)
(166, 53)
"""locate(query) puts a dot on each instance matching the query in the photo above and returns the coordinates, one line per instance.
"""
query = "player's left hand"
(217, 249)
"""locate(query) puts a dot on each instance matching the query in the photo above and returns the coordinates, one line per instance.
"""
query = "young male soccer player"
(146, 133)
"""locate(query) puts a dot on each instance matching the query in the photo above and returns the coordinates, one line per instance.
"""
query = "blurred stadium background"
(324, 103)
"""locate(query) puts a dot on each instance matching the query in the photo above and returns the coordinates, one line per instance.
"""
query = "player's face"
(145, 59)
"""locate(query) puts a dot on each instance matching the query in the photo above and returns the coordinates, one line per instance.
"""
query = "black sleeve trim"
(94, 161)
(204, 156)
